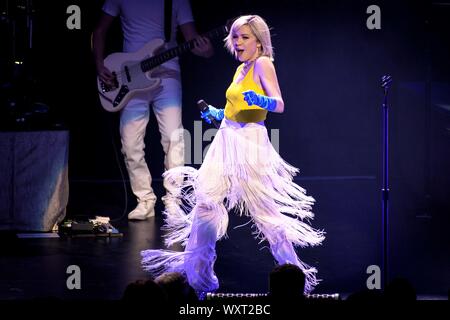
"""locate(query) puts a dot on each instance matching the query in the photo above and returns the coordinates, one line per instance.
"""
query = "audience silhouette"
(177, 288)
(400, 290)
(286, 283)
(147, 292)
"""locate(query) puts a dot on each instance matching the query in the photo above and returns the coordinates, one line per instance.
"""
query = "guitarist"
(143, 21)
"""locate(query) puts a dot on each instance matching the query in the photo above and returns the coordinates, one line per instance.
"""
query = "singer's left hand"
(262, 101)
(251, 97)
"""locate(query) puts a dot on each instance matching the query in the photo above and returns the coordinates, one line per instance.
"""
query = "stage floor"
(37, 267)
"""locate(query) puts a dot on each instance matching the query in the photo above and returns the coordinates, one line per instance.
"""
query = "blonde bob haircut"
(260, 30)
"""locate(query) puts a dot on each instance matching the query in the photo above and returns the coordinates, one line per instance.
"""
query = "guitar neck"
(159, 59)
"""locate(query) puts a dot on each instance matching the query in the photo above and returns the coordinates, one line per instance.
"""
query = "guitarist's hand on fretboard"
(203, 47)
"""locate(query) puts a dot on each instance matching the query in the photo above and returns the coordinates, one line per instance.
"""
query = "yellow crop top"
(237, 108)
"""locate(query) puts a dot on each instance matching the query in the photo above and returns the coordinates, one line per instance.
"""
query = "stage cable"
(118, 162)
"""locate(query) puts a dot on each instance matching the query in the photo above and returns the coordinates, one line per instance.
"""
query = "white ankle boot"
(144, 210)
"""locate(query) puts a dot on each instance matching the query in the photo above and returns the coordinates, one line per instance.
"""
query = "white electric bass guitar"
(133, 72)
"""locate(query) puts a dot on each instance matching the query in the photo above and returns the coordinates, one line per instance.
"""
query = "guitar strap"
(167, 19)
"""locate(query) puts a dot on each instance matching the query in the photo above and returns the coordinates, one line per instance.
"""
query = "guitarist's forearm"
(98, 47)
(99, 38)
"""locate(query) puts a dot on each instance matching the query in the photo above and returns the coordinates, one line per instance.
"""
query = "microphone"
(203, 106)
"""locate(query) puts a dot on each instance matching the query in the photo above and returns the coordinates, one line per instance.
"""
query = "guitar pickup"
(122, 93)
(127, 74)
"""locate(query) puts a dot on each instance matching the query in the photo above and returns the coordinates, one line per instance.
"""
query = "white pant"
(133, 124)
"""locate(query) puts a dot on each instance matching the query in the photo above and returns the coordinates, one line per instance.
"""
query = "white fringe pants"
(241, 169)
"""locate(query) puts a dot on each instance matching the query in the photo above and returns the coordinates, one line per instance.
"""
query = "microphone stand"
(29, 15)
(385, 82)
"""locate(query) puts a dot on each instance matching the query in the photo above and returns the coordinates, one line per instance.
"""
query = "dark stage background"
(329, 66)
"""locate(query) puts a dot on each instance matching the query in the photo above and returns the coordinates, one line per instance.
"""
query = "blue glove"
(252, 98)
(217, 114)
